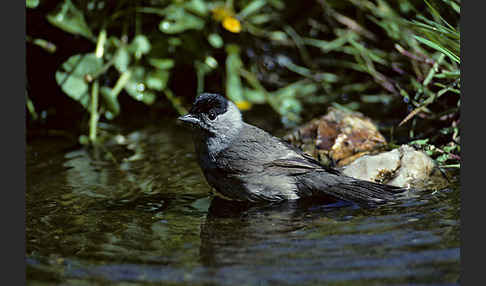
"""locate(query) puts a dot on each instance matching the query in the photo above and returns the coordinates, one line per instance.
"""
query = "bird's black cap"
(206, 102)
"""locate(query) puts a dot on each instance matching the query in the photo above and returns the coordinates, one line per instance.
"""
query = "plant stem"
(94, 112)
(121, 82)
(30, 106)
(100, 45)
(433, 70)
(175, 101)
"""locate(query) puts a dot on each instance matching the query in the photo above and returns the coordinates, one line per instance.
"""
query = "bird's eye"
(212, 115)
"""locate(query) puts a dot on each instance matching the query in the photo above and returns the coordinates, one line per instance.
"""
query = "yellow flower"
(243, 105)
(232, 24)
(227, 17)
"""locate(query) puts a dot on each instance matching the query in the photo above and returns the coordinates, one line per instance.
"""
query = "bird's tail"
(366, 192)
(351, 189)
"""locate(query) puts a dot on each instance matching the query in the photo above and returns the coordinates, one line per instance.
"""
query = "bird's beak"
(189, 119)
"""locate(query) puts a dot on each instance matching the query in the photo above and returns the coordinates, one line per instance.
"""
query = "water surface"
(138, 212)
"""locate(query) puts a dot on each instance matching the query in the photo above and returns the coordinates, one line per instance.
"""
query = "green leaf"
(290, 105)
(286, 100)
(163, 64)
(30, 107)
(44, 44)
(110, 100)
(122, 59)
(157, 80)
(70, 19)
(450, 148)
(31, 3)
(251, 8)
(254, 95)
(234, 89)
(327, 46)
(260, 19)
(177, 21)
(435, 46)
(137, 88)
(278, 36)
(278, 4)
(83, 140)
(442, 158)
(197, 6)
(297, 89)
(72, 73)
(215, 40)
(420, 142)
(83, 64)
(74, 87)
(211, 62)
(139, 46)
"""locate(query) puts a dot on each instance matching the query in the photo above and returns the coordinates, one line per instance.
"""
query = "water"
(140, 214)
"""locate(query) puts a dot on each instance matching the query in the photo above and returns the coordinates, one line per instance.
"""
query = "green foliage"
(178, 19)
(402, 53)
(70, 19)
(72, 76)
(439, 34)
(31, 3)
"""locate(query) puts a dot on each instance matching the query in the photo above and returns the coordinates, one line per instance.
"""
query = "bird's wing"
(272, 152)
(299, 159)
(297, 164)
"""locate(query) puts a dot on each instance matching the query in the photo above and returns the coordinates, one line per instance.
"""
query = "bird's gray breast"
(217, 172)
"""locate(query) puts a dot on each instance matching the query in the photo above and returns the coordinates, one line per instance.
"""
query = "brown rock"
(338, 138)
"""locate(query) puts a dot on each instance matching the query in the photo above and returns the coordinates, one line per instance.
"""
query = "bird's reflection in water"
(239, 232)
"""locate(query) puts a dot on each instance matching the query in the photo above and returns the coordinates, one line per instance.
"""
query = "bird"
(245, 163)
